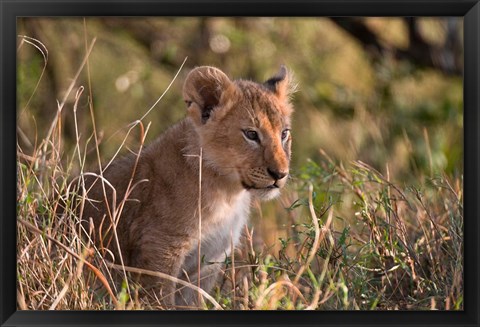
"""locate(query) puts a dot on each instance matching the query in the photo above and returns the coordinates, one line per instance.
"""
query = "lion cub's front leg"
(165, 253)
(187, 298)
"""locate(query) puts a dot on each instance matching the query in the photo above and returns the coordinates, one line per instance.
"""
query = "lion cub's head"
(243, 127)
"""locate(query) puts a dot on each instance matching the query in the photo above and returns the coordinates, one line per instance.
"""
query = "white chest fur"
(225, 223)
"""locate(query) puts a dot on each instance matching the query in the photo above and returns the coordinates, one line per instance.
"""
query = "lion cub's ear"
(203, 90)
(281, 84)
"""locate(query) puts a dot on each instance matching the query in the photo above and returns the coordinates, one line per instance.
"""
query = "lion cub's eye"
(251, 135)
(285, 134)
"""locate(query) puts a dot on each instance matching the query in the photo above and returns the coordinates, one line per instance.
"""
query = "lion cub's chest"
(222, 223)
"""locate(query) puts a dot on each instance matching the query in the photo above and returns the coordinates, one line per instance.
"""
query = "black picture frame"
(10, 10)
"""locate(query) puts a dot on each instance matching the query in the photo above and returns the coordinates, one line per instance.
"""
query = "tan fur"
(158, 225)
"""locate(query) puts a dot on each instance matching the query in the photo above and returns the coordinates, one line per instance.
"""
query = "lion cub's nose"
(277, 175)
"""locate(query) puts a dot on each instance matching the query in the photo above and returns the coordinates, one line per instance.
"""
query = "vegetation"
(373, 215)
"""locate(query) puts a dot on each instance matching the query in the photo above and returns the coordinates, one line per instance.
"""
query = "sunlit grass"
(356, 241)
(373, 222)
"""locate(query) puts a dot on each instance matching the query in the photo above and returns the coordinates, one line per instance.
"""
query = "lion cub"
(243, 130)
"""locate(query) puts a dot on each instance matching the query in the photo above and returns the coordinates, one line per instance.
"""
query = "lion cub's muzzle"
(264, 178)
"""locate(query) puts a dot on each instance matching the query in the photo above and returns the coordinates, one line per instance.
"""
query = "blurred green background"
(386, 91)
(355, 100)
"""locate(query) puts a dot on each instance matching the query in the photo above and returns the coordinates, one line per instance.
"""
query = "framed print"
(223, 162)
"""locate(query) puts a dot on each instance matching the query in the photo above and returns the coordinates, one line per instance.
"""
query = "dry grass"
(356, 239)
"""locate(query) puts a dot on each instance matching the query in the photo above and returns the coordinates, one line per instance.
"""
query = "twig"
(316, 241)
(199, 209)
(166, 90)
(232, 255)
(44, 51)
(199, 222)
(70, 88)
